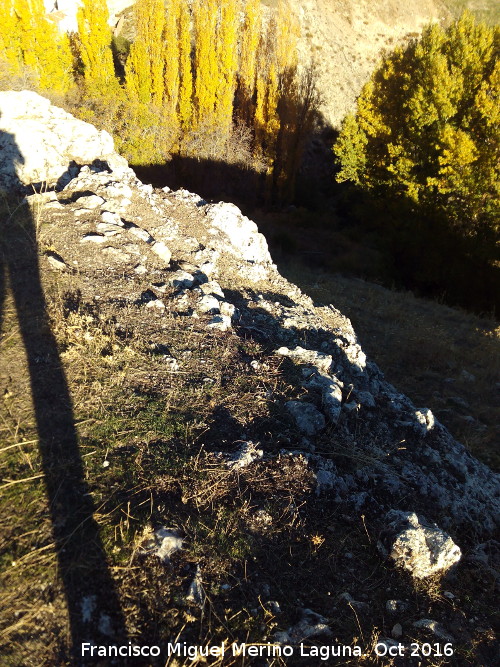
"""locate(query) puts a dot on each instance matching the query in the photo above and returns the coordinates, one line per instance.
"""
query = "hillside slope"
(345, 39)
(189, 440)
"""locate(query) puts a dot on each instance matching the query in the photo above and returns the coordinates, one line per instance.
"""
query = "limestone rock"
(161, 250)
(93, 238)
(243, 236)
(195, 592)
(220, 322)
(41, 143)
(418, 546)
(311, 624)
(56, 261)
(436, 628)
(163, 544)
(111, 218)
(308, 418)
(397, 631)
(396, 606)
(208, 304)
(181, 280)
(247, 453)
(90, 201)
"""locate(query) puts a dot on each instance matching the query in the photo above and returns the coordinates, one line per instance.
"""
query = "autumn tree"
(425, 125)
(206, 13)
(279, 100)
(171, 40)
(10, 36)
(95, 48)
(29, 39)
(249, 44)
(185, 68)
(227, 59)
(145, 67)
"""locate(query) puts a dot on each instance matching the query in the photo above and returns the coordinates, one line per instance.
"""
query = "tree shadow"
(92, 599)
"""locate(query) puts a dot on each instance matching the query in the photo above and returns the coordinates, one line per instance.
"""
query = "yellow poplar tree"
(227, 59)
(249, 45)
(45, 51)
(144, 70)
(287, 34)
(172, 55)
(206, 67)
(266, 120)
(10, 36)
(185, 68)
(95, 50)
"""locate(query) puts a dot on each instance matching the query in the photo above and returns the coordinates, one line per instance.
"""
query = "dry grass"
(148, 439)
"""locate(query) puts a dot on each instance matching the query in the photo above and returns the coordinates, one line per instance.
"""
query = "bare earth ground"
(147, 434)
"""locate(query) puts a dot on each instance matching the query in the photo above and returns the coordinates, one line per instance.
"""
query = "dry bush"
(22, 79)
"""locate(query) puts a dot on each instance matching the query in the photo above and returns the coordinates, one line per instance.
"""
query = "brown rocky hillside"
(196, 454)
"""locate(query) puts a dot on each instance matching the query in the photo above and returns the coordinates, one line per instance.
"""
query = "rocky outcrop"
(422, 549)
(43, 144)
(207, 262)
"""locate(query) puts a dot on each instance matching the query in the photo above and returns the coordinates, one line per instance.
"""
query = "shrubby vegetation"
(195, 76)
(425, 140)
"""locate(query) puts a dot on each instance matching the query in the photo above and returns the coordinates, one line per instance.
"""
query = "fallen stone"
(93, 238)
(397, 631)
(116, 253)
(208, 304)
(80, 212)
(56, 261)
(111, 218)
(318, 360)
(243, 235)
(164, 543)
(161, 250)
(308, 418)
(396, 606)
(54, 205)
(310, 625)
(417, 546)
(88, 606)
(227, 308)
(425, 420)
(171, 363)
(220, 323)
(195, 592)
(156, 303)
(140, 233)
(90, 202)
(107, 229)
(212, 287)
(181, 280)
(436, 628)
(331, 392)
(366, 399)
(246, 454)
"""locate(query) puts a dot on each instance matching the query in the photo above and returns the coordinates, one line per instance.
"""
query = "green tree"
(426, 126)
